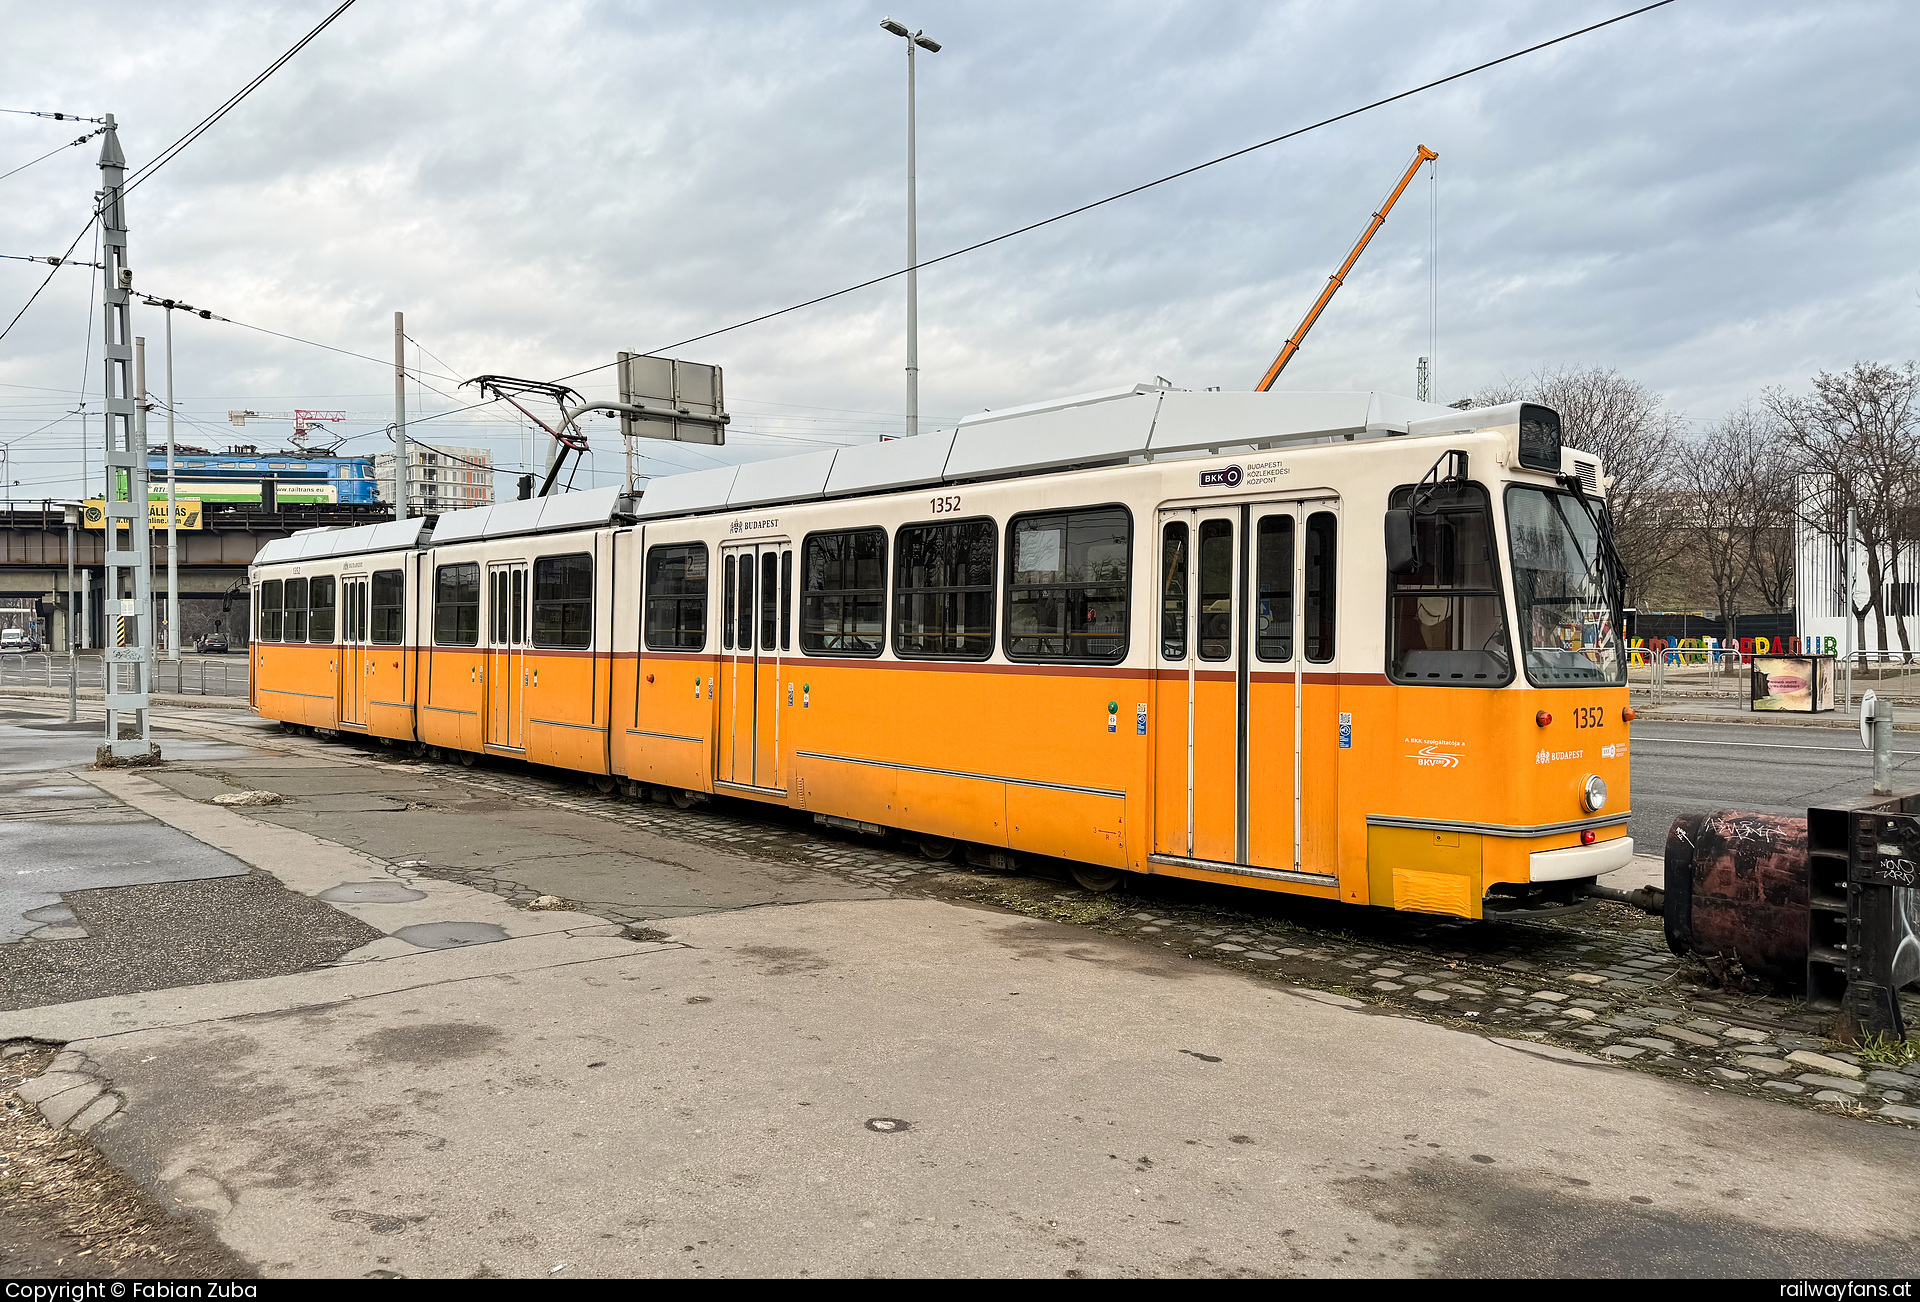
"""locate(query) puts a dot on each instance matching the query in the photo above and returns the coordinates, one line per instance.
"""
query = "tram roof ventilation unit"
(313, 544)
(1110, 427)
(593, 506)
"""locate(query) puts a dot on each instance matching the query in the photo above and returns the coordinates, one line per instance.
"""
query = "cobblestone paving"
(1599, 981)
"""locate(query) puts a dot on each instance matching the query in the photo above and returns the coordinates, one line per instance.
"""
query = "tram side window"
(1067, 585)
(1323, 577)
(1446, 622)
(786, 600)
(769, 600)
(269, 606)
(497, 607)
(744, 609)
(1173, 591)
(677, 597)
(563, 601)
(320, 610)
(296, 621)
(1216, 589)
(456, 605)
(726, 604)
(1273, 575)
(843, 597)
(943, 590)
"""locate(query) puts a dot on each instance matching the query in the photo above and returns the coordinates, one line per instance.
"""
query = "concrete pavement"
(853, 1083)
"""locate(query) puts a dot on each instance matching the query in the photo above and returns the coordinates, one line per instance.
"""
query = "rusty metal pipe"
(1736, 891)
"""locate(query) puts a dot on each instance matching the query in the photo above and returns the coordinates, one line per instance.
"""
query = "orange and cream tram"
(1342, 645)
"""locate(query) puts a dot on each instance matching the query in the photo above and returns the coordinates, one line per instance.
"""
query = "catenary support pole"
(173, 536)
(913, 273)
(73, 644)
(128, 661)
(402, 480)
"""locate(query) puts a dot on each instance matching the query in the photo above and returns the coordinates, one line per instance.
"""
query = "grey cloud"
(1712, 198)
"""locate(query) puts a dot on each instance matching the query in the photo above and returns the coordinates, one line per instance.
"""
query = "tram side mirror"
(1402, 556)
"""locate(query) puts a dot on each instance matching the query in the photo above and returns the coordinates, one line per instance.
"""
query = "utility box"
(681, 402)
(1792, 684)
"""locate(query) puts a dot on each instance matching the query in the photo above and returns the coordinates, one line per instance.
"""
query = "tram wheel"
(433, 753)
(936, 847)
(468, 759)
(682, 799)
(604, 783)
(291, 729)
(1097, 879)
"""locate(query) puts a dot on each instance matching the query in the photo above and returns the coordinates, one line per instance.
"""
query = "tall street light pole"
(402, 481)
(931, 46)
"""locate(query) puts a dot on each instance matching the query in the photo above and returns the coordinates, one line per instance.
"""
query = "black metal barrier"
(1864, 911)
(1831, 902)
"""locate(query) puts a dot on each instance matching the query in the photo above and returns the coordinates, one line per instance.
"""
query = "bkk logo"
(1230, 477)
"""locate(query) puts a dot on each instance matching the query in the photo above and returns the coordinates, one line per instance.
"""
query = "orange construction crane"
(1421, 156)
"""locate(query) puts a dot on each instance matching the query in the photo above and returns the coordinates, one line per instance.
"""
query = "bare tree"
(1774, 536)
(1719, 482)
(1861, 428)
(1630, 429)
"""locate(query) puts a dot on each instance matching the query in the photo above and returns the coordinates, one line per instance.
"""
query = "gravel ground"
(178, 934)
(68, 1213)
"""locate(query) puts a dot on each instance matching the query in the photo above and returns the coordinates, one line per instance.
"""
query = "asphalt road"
(1683, 768)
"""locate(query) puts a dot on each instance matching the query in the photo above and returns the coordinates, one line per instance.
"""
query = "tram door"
(506, 662)
(1243, 775)
(756, 641)
(355, 662)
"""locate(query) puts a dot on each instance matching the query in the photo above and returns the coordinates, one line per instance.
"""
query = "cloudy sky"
(1714, 197)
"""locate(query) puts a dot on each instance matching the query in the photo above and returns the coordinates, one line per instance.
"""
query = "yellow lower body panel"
(1424, 871)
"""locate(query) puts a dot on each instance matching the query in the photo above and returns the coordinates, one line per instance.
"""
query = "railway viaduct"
(33, 560)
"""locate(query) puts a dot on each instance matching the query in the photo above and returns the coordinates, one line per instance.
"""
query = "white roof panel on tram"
(589, 506)
(1100, 427)
(1109, 426)
(699, 490)
(897, 463)
(526, 515)
(311, 544)
(781, 479)
(463, 525)
(1194, 421)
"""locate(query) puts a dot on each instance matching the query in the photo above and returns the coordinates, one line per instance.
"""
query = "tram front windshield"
(1562, 588)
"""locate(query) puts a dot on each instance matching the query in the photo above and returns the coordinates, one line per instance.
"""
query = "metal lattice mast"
(129, 570)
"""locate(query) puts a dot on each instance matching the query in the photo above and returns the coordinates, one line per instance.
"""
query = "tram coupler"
(1648, 899)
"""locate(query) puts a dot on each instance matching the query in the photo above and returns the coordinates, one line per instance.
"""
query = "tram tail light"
(1628, 714)
(1543, 718)
(1589, 836)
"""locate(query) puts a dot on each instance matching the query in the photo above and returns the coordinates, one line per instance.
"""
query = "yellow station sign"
(186, 513)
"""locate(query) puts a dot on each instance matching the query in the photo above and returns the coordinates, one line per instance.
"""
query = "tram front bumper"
(1578, 861)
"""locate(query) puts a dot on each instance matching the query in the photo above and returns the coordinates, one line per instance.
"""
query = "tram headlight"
(1593, 794)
